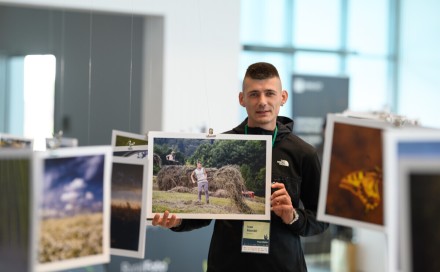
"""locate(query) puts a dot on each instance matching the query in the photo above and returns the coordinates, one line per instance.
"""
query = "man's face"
(262, 100)
(199, 165)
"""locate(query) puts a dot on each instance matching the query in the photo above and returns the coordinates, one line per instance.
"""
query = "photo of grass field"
(15, 212)
(236, 179)
(71, 208)
(126, 202)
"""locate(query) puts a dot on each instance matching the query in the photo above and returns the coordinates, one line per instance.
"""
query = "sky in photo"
(73, 185)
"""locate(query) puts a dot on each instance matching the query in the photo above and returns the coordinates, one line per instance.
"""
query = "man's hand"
(166, 221)
(281, 203)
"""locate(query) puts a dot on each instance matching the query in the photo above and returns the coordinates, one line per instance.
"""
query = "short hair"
(261, 70)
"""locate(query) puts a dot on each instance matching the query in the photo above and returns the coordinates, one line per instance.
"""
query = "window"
(325, 37)
(29, 97)
(349, 38)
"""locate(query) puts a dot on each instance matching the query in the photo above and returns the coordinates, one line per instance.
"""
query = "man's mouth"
(262, 111)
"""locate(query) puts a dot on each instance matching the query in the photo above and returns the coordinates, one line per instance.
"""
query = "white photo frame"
(163, 194)
(128, 199)
(351, 190)
(53, 143)
(73, 190)
(17, 246)
(402, 144)
(15, 142)
(420, 206)
(127, 141)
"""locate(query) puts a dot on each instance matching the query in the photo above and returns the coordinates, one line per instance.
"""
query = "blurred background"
(86, 67)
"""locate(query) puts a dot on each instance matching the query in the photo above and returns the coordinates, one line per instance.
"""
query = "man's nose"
(262, 101)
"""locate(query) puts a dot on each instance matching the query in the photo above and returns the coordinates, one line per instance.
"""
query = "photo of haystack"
(127, 220)
(194, 176)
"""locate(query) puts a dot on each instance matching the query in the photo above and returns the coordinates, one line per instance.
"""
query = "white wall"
(419, 84)
(201, 50)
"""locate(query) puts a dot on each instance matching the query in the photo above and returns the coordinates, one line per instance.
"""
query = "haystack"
(171, 176)
(157, 160)
(229, 178)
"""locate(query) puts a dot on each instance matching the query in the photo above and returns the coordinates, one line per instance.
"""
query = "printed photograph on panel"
(15, 142)
(128, 195)
(195, 176)
(355, 183)
(15, 213)
(129, 145)
(74, 207)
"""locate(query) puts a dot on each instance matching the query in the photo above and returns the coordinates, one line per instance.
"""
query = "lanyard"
(275, 132)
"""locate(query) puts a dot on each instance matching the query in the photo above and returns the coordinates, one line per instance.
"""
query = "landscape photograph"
(72, 208)
(127, 234)
(195, 176)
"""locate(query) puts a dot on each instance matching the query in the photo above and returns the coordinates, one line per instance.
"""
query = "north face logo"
(283, 163)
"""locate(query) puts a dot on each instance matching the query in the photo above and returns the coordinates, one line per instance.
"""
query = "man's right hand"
(166, 221)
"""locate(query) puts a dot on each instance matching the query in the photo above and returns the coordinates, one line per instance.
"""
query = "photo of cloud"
(72, 208)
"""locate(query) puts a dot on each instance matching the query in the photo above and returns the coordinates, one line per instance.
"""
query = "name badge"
(256, 237)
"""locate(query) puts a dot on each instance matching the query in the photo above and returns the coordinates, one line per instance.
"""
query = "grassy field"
(187, 203)
(125, 224)
(72, 237)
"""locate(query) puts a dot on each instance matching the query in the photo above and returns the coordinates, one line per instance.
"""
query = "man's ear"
(240, 99)
(284, 95)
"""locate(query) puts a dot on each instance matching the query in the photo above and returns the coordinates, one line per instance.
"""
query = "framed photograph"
(198, 176)
(126, 144)
(402, 144)
(128, 207)
(72, 215)
(17, 250)
(351, 192)
(15, 142)
(53, 143)
(420, 221)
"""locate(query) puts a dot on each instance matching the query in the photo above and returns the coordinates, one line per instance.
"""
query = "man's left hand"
(281, 203)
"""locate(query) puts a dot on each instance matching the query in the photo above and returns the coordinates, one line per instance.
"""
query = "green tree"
(247, 176)
(260, 182)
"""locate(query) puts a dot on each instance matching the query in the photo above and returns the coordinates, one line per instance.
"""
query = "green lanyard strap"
(273, 137)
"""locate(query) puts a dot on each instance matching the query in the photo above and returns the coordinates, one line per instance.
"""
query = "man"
(296, 172)
(202, 181)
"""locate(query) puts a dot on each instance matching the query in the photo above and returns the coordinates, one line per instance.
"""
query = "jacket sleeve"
(191, 224)
(307, 224)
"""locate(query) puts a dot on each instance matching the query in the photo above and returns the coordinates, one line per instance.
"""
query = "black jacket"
(301, 178)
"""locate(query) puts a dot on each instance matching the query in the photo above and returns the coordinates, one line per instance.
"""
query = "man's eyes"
(258, 94)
